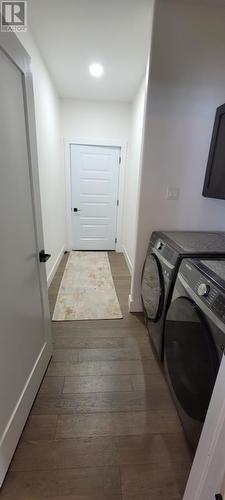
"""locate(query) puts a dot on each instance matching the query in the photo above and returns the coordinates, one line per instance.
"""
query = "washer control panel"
(165, 252)
(159, 245)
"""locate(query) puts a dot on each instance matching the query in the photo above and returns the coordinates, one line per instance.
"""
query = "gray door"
(25, 340)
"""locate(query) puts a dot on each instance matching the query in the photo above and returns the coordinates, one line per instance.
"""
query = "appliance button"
(159, 245)
(203, 290)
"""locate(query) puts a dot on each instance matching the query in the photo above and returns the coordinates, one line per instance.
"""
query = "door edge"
(22, 409)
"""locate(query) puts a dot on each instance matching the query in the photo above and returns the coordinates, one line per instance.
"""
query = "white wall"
(186, 84)
(133, 167)
(95, 119)
(50, 155)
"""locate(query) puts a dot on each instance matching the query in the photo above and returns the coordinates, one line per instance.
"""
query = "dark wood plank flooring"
(103, 426)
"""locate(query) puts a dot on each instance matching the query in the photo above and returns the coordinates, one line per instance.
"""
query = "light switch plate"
(173, 193)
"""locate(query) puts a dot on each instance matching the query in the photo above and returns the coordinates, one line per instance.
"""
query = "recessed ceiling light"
(96, 70)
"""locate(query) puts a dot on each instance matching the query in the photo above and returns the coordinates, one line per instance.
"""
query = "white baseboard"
(119, 248)
(134, 305)
(22, 409)
(55, 266)
(128, 260)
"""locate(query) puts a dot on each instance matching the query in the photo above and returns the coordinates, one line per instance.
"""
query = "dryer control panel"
(219, 306)
(205, 288)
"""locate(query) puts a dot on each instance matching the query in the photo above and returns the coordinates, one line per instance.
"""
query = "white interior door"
(25, 339)
(94, 193)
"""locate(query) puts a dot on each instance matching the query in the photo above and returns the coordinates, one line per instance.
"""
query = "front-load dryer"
(195, 340)
(165, 253)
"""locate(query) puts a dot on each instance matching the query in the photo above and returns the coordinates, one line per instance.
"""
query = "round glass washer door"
(191, 357)
(152, 288)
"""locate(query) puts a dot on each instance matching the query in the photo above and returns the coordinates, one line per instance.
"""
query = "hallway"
(103, 426)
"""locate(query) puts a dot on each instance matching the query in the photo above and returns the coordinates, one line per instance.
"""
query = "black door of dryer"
(152, 288)
(191, 362)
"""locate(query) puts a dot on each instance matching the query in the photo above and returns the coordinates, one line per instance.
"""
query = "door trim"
(12, 47)
(206, 454)
(95, 142)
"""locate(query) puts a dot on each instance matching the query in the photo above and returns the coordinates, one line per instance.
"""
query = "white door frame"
(95, 142)
(199, 485)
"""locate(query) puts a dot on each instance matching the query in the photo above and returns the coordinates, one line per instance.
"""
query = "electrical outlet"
(173, 193)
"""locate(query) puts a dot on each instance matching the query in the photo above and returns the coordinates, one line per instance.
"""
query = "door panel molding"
(95, 142)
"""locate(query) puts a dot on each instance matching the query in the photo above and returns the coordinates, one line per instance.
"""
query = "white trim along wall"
(95, 142)
(55, 266)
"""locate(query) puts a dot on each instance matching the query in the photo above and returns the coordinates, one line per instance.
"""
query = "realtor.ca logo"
(13, 15)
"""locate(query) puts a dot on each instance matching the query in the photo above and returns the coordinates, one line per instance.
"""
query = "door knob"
(76, 210)
(43, 257)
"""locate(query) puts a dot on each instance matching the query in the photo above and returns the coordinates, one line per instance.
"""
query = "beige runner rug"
(87, 290)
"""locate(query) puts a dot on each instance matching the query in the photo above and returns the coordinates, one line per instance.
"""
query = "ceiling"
(71, 34)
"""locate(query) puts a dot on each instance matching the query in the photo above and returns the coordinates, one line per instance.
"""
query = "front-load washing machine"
(195, 340)
(165, 253)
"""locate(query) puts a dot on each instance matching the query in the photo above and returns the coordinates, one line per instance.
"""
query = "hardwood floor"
(103, 426)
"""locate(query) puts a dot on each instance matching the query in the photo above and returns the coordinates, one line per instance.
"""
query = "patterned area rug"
(87, 290)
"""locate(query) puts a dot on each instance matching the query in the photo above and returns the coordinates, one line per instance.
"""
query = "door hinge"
(115, 240)
(118, 202)
(120, 160)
